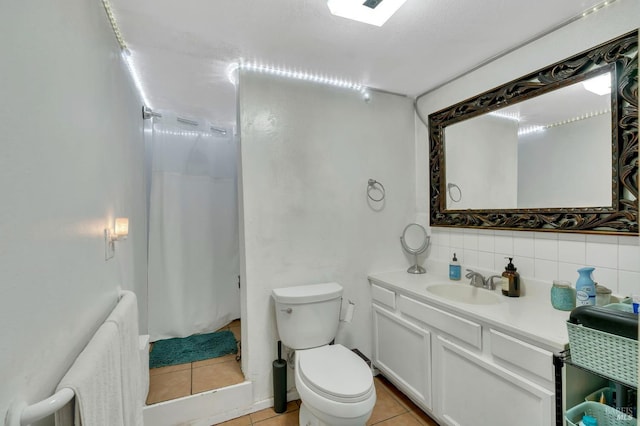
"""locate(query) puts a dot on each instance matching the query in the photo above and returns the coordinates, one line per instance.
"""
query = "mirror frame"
(621, 218)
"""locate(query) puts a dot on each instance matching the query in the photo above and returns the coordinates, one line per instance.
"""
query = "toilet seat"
(335, 373)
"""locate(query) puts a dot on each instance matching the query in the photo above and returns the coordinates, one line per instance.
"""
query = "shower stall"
(193, 264)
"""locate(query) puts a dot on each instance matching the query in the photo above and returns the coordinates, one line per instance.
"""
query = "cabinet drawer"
(522, 354)
(465, 330)
(384, 296)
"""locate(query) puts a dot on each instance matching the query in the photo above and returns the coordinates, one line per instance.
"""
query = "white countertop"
(531, 316)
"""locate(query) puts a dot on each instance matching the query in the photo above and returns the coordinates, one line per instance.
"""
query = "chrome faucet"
(477, 280)
(489, 282)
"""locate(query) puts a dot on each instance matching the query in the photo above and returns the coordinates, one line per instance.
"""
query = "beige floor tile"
(204, 363)
(172, 385)
(423, 418)
(386, 405)
(287, 419)
(405, 419)
(235, 323)
(216, 376)
(169, 369)
(236, 332)
(263, 414)
(240, 421)
(267, 413)
(404, 400)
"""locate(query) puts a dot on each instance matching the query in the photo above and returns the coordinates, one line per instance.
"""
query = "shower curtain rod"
(148, 113)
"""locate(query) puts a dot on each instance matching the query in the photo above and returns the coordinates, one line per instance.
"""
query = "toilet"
(334, 384)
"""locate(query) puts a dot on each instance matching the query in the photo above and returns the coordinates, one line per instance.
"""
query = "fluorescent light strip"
(128, 59)
(185, 133)
(126, 53)
(513, 116)
(597, 7)
(534, 129)
(579, 118)
(297, 75)
(114, 24)
(530, 129)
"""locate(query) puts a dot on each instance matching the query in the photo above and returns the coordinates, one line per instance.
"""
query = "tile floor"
(392, 409)
(176, 381)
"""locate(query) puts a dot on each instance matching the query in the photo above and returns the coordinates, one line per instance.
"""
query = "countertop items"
(563, 296)
(531, 317)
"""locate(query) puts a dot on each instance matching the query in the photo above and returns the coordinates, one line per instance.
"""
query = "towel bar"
(23, 415)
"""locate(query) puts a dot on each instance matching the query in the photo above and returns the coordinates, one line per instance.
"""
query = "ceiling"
(182, 50)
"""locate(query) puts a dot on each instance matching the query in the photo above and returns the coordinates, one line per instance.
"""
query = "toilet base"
(308, 418)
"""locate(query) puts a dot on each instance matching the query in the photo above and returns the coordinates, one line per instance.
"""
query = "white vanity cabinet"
(402, 351)
(460, 370)
(472, 390)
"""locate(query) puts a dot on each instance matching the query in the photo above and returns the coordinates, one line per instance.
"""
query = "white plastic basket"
(605, 415)
(612, 356)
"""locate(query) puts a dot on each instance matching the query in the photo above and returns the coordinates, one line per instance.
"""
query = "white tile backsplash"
(568, 271)
(485, 261)
(456, 238)
(486, 241)
(471, 241)
(606, 277)
(471, 258)
(546, 270)
(628, 282)
(523, 245)
(503, 241)
(545, 256)
(572, 251)
(602, 254)
(629, 257)
(545, 248)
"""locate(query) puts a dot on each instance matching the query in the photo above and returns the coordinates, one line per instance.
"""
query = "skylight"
(374, 12)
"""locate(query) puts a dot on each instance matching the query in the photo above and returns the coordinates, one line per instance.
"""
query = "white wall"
(545, 256)
(307, 151)
(71, 160)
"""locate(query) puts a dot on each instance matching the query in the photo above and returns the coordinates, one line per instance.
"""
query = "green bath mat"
(193, 348)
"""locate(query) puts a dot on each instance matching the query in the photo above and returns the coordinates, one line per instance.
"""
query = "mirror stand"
(416, 269)
(417, 243)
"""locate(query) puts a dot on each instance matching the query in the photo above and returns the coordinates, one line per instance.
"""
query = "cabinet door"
(402, 351)
(472, 390)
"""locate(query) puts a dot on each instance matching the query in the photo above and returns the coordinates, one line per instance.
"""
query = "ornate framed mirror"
(555, 150)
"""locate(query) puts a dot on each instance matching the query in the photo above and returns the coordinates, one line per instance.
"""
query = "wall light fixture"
(119, 232)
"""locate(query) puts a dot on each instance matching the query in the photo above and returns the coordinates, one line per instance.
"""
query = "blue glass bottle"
(585, 287)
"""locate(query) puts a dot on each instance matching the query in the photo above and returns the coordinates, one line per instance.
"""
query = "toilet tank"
(308, 316)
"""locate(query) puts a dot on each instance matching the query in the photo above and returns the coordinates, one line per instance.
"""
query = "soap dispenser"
(455, 270)
(510, 280)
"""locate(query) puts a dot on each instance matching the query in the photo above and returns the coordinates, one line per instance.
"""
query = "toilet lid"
(335, 371)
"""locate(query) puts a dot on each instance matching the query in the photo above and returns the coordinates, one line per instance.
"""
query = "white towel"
(125, 317)
(95, 377)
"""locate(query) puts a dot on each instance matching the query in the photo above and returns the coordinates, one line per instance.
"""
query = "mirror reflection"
(549, 151)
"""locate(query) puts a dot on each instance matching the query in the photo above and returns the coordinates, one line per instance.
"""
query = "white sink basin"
(464, 294)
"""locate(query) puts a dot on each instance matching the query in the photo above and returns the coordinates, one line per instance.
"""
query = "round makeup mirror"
(415, 241)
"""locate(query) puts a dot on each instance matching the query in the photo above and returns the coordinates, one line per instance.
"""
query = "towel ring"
(373, 185)
(451, 186)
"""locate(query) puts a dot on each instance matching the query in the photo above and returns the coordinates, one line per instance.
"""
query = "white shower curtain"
(193, 231)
